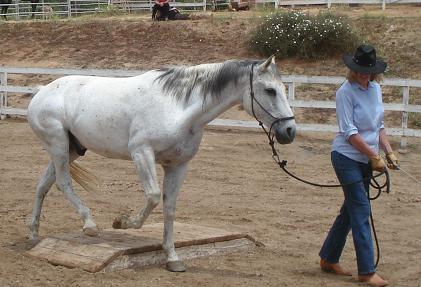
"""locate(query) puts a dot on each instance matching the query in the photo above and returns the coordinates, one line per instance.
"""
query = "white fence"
(19, 9)
(329, 3)
(67, 8)
(292, 81)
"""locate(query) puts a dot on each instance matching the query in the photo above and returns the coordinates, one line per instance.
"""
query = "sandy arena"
(232, 182)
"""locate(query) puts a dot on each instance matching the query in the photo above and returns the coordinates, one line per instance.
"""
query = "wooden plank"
(91, 258)
(292, 80)
(94, 253)
(184, 253)
(60, 71)
(149, 237)
(126, 73)
(18, 89)
(13, 111)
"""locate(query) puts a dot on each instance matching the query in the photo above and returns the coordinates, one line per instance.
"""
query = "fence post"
(44, 16)
(291, 93)
(204, 5)
(329, 3)
(3, 95)
(17, 10)
(384, 5)
(276, 4)
(69, 9)
(405, 101)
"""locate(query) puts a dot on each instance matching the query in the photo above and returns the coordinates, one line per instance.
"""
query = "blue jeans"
(354, 215)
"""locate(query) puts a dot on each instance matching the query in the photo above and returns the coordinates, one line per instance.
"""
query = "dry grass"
(134, 42)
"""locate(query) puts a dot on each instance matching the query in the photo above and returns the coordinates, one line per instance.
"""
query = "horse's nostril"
(289, 131)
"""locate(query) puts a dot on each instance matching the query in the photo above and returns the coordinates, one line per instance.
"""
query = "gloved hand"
(377, 163)
(392, 160)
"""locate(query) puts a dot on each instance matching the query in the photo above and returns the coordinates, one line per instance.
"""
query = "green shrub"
(295, 34)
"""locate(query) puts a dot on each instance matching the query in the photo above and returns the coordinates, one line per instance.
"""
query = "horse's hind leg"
(144, 161)
(44, 185)
(59, 151)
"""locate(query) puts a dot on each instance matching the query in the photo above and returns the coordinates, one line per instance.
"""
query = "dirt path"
(232, 184)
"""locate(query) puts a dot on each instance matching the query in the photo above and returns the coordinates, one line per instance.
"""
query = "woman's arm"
(376, 161)
(384, 142)
(392, 160)
(358, 142)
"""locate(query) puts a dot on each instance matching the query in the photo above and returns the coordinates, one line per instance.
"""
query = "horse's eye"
(271, 92)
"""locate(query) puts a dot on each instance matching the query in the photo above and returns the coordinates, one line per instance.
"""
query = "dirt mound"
(121, 43)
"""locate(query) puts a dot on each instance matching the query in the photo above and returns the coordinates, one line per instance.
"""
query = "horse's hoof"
(91, 231)
(33, 237)
(121, 222)
(175, 266)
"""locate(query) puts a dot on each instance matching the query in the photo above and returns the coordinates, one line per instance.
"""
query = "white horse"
(156, 117)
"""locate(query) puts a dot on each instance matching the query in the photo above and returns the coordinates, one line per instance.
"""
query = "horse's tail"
(84, 177)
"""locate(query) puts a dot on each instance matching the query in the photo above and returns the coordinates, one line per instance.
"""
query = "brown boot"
(373, 280)
(334, 268)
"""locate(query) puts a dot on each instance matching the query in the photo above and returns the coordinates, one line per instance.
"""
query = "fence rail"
(329, 3)
(67, 8)
(292, 81)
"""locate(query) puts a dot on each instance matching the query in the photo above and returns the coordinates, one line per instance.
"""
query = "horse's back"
(100, 112)
(71, 91)
(50, 99)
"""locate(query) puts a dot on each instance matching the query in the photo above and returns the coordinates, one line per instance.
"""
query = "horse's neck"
(205, 112)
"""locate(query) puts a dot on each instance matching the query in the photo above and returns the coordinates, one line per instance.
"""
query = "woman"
(163, 7)
(355, 153)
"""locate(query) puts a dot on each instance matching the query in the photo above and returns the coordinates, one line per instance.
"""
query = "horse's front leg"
(173, 180)
(144, 161)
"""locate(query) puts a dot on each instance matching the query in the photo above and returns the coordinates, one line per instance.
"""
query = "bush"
(289, 34)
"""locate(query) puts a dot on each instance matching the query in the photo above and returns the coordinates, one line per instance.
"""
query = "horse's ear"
(271, 60)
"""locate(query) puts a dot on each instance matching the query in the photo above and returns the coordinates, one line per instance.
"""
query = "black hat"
(364, 61)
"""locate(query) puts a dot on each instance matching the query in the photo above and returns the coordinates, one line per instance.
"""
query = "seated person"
(174, 14)
(163, 7)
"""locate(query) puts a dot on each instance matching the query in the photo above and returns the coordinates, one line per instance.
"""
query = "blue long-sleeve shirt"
(358, 110)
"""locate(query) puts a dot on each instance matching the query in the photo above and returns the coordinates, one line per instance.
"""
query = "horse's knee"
(64, 184)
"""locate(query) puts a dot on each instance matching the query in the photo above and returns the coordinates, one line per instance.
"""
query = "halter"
(269, 133)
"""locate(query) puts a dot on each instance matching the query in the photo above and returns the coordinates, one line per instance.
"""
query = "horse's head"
(268, 103)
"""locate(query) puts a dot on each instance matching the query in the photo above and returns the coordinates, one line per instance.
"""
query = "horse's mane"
(211, 78)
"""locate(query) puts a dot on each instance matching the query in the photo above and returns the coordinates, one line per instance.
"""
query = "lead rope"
(282, 164)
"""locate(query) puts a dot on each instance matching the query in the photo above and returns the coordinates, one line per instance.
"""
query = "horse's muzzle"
(285, 132)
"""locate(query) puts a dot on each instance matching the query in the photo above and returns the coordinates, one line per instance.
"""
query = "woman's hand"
(377, 163)
(392, 160)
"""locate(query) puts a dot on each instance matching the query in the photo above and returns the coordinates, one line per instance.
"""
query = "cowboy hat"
(365, 61)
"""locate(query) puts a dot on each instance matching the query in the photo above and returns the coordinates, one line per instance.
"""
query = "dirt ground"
(232, 183)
